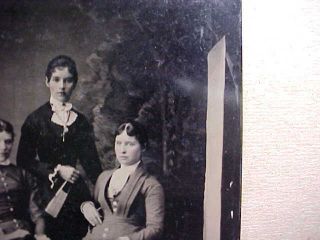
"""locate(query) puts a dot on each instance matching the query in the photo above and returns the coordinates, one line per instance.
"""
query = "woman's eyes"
(126, 143)
(8, 141)
(67, 80)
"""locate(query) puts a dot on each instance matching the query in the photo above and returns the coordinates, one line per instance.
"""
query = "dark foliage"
(152, 66)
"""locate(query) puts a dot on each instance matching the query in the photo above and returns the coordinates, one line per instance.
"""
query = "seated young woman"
(131, 201)
(20, 214)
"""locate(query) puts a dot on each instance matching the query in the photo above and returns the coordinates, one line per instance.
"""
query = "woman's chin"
(61, 98)
(3, 158)
(127, 162)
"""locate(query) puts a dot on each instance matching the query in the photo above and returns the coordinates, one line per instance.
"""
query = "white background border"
(281, 120)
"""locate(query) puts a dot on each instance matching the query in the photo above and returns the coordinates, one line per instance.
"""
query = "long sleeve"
(154, 201)
(27, 150)
(97, 188)
(88, 154)
(31, 184)
(42, 147)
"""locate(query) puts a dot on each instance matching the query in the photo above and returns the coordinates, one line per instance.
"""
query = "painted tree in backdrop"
(152, 67)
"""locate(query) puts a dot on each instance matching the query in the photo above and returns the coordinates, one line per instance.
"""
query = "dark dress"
(41, 149)
(19, 200)
(137, 212)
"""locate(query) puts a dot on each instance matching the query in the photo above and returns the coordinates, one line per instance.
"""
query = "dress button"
(2, 179)
(11, 209)
(5, 184)
(8, 197)
(115, 209)
(114, 203)
(15, 220)
(106, 229)
(104, 235)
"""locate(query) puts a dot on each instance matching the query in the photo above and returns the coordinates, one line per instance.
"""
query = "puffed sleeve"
(154, 203)
(27, 150)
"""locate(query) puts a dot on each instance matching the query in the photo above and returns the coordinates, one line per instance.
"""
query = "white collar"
(5, 162)
(119, 178)
(55, 104)
(62, 115)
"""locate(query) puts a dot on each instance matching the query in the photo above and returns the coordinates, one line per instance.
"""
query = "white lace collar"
(63, 115)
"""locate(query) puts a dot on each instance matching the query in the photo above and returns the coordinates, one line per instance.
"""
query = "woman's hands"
(94, 218)
(18, 234)
(69, 173)
(41, 237)
(40, 226)
(40, 230)
(91, 213)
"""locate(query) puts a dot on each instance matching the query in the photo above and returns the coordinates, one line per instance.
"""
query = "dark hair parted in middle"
(62, 61)
(7, 127)
(134, 129)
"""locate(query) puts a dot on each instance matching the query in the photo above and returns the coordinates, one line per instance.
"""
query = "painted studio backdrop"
(136, 59)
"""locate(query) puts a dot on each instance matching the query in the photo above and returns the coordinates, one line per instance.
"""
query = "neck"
(5, 162)
(130, 166)
(56, 102)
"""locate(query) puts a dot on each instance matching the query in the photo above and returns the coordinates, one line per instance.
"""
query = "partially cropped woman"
(20, 216)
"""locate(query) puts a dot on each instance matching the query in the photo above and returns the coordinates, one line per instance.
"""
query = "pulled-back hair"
(7, 127)
(62, 61)
(134, 129)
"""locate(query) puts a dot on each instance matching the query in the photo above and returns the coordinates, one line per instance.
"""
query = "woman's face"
(127, 148)
(6, 143)
(61, 84)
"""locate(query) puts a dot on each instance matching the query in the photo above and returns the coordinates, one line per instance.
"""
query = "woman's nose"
(123, 148)
(2, 145)
(62, 84)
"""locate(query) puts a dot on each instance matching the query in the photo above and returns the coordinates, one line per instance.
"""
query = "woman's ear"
(47, 81)
(144, 148)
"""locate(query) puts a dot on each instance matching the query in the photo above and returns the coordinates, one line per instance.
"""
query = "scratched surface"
(144, 59)
(281, 56)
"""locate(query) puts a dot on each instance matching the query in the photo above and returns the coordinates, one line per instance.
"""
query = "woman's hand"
(123, 238)
(41, 237)
(69, 173)
(18, 234)
(91, 213)
(40, 226)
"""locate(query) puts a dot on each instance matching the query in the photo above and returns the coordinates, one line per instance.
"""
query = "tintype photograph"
(120, 120)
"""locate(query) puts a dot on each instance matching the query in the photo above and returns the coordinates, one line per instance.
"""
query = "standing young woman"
(54, 138)
(132, 201)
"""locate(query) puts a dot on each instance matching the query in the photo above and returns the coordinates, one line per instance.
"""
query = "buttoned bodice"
(18, 199)
(137, 211)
